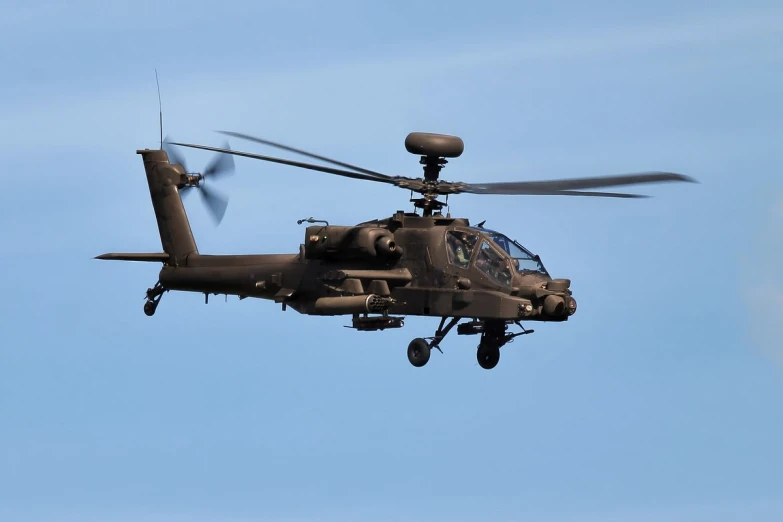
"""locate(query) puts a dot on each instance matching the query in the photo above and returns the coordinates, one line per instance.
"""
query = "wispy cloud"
(57, 16)
(537, 46)
(620, 40)
(518, 47)
(393, 77)
(762, 275)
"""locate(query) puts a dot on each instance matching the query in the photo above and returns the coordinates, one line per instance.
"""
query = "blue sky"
(660, 400)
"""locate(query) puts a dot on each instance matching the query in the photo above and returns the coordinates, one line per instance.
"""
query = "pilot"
(460, 248)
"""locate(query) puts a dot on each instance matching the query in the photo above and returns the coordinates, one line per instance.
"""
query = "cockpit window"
(460, 247)
(492, 264)
(522, 259)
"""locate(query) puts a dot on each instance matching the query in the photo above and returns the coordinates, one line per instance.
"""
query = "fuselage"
(415, 265)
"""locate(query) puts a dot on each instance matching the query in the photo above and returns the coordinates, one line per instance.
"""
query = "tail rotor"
(221, 165)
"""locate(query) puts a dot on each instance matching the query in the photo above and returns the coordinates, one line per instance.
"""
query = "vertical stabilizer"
(164, 179)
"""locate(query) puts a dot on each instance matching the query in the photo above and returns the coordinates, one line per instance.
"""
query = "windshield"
(492, 264)
(523, 260)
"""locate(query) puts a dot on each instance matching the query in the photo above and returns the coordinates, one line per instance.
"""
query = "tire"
(488, 355)
(418, 352)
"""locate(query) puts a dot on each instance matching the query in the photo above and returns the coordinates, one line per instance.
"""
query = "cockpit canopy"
(492, 253)
(522, 259)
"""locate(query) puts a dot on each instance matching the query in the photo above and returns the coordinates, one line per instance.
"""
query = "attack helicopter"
(418, 263)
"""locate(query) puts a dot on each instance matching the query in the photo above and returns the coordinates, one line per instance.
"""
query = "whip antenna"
(160, 109)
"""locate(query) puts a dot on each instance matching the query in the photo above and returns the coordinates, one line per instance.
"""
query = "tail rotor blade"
(174, 156)
(221, 165)
(215, 202)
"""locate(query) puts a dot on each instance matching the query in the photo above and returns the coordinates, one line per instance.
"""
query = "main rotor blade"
(560, 185)
(215, 202)
(305, 153)
(221, 165)
(309, 166)
(592, 194)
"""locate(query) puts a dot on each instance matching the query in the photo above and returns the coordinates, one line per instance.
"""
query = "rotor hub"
(193, 180)
(220, 166)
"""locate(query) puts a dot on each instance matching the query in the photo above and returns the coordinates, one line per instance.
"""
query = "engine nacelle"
(347, 243)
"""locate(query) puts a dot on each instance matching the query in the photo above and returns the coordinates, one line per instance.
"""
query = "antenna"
(160, 108)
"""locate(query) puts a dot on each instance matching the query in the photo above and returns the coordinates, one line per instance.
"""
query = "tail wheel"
(150, 307)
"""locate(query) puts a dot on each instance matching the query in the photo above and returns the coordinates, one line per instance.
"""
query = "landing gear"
(149, 308)
(419, 349)
(418, 352)
(153, 298)
(493, 337)
(488, 355)
(441, 332)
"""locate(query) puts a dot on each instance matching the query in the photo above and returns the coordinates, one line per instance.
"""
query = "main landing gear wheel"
(418, 352)
(488, 355)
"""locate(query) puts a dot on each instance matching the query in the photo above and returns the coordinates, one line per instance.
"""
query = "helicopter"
(378, 272)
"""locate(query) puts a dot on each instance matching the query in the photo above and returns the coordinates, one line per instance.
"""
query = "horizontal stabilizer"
(159, 257)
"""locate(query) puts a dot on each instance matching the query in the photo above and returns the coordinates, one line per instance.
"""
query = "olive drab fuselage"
(404, 265)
